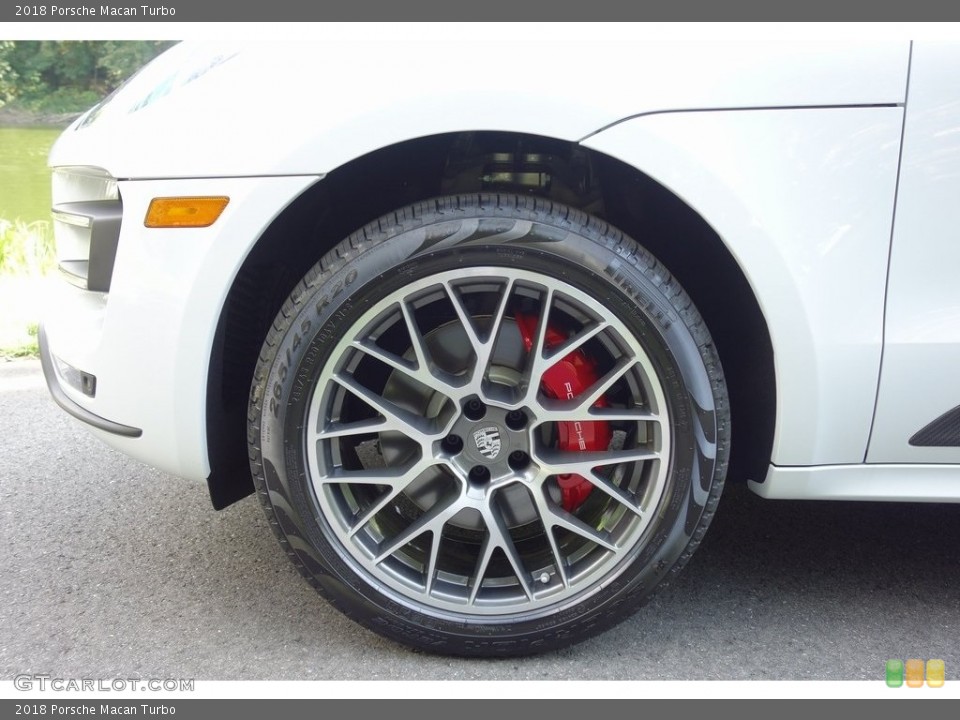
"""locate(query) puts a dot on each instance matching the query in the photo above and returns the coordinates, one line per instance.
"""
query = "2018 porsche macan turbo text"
(486, 349)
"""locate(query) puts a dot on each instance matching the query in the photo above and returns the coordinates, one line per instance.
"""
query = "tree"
(64, 76)
(8, 78)
(118, 60)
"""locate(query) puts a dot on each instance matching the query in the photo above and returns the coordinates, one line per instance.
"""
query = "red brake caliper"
(565, 380)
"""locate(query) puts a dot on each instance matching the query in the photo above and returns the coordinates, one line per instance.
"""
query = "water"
(24, 177)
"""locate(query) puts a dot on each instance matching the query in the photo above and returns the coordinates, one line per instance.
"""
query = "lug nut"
(479, 474)
(452, 444)
(518, 460)
(516, 420)
(474, 409)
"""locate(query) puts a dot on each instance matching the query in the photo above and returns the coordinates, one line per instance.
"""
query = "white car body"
(536, 316)
(829, 172)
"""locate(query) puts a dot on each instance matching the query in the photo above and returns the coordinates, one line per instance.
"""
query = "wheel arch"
(391, 177)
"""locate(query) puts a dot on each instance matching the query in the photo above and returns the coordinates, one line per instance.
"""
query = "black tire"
(405, 296)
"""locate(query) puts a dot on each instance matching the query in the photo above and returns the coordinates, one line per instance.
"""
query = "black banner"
(468, 708)
(446, 10)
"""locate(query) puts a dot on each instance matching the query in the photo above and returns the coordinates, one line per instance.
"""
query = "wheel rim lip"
(600, 574)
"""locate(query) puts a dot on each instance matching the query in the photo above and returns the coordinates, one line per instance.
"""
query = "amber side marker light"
(184, 212)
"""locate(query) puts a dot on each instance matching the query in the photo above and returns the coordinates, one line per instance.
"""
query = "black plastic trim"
(68, 405)
(105, 217)
(942, 432)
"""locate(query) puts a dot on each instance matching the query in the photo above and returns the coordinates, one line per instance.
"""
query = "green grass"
(27, 254)
(26, 248)
(23, 349)
(27, 257)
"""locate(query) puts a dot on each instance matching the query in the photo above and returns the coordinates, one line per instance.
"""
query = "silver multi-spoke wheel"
(488, 425)
(432, 443)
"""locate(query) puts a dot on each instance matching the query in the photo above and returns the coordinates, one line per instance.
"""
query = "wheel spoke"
(434, 554)
(543, 321)
(432, 520)
(422, 368)
(543, 361)
(368, 514)
(536, 364)
(500, 537)
(428, 372)
(540, 501)
(556, 462)
(482, 347)
(577, 341)
(614, 492)
(360, 427)
(394, 477)
(420, 351)
(553, 516)
(569, 411)
(596, 391)
(558, 559)
(397, 486)
(483, 560)
(414, 426)
(409, 369)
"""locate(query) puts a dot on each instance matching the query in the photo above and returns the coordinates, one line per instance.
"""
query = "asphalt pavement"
(112, 569)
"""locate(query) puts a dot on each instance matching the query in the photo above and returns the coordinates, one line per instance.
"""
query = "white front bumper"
(148, 340)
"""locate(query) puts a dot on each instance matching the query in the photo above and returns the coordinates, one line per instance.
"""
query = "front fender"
(804, 200)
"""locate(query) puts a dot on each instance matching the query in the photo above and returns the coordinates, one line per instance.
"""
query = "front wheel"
(488, 425)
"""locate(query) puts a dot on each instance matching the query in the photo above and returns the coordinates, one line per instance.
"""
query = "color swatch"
(914, 671)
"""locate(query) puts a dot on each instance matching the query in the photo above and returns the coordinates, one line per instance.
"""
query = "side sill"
(71, 407)
(883, 483)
